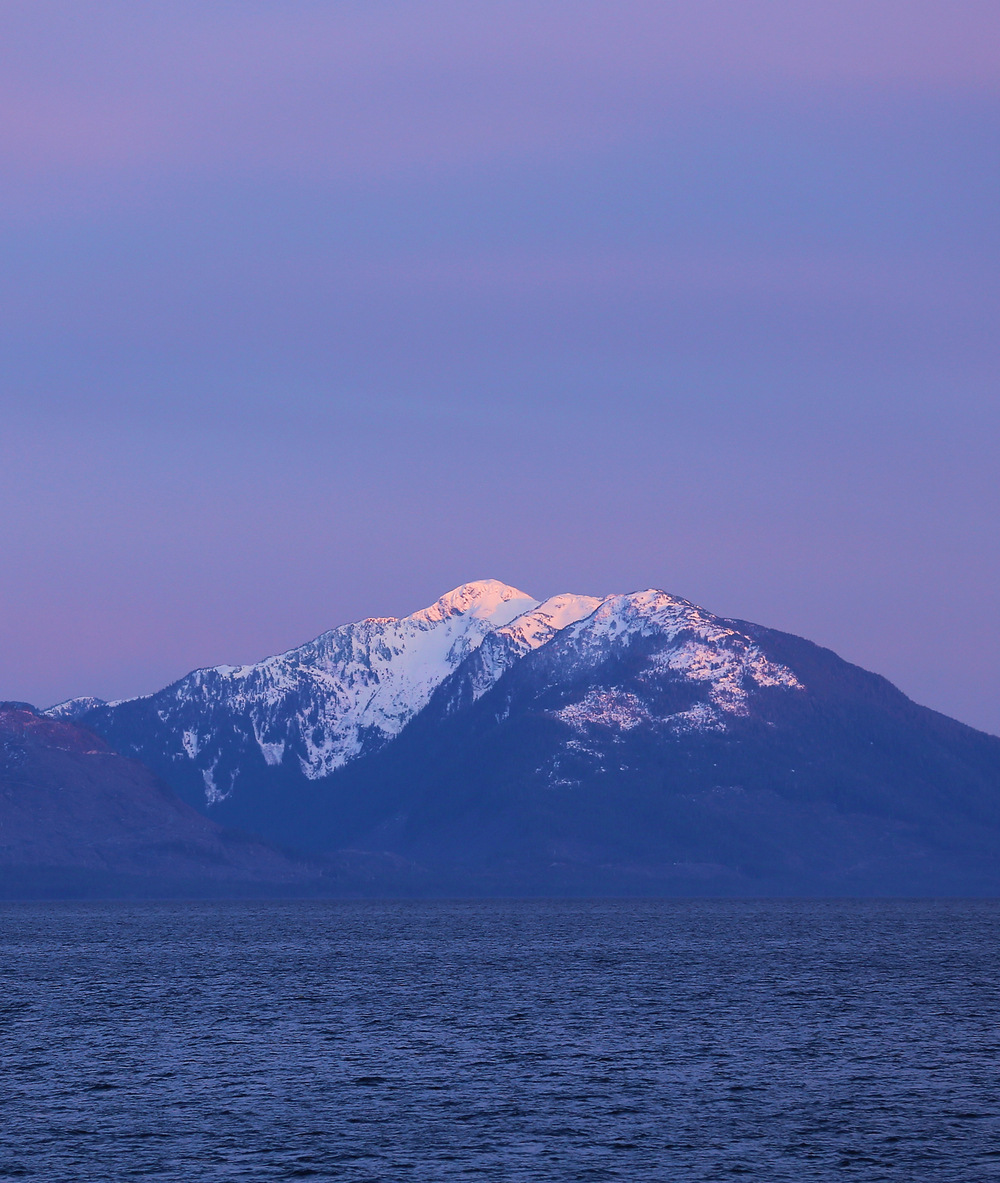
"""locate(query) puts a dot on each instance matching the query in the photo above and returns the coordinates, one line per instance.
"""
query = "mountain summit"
(314, 708)
(632, 743)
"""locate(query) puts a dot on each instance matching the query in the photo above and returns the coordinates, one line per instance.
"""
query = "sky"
(312, 311)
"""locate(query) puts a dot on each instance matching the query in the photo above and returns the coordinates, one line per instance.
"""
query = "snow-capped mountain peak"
(686, 644)
(644, 613)
(353, 689)
(503, 647)
(540, 624)
(324, 703)
(488, 600)
(73, 708)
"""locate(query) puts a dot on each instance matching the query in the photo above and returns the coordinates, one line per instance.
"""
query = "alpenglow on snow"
(353, 689)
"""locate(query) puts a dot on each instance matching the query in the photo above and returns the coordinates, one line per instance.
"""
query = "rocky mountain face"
(77, 818)
(215, 733)
(631, 744)
(653, 748)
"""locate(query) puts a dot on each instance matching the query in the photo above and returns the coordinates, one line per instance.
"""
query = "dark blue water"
(638, 1040)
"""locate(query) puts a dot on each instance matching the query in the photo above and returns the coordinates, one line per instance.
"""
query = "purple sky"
(311, 311)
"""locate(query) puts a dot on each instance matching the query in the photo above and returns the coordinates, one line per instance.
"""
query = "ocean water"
(501, 1040)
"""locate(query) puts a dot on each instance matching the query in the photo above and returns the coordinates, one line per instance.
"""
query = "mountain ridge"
(325, 702)
(625, 743)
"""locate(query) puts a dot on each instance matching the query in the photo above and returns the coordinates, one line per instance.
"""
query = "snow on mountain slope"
(364, 682)
(689, 645)
(73, 708)
(506, 645)
(322, 704)
(540, 625)
(350, 691)
(579, 745)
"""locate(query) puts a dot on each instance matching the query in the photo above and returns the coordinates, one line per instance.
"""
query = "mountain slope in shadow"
(573, 773)
(78, 819)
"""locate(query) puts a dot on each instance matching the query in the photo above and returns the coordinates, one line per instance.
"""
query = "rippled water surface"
(548, 1040)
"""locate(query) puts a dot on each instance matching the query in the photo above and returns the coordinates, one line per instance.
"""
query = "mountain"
(215, 733)
(652, 747)
(77, 818)
(634, 744)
